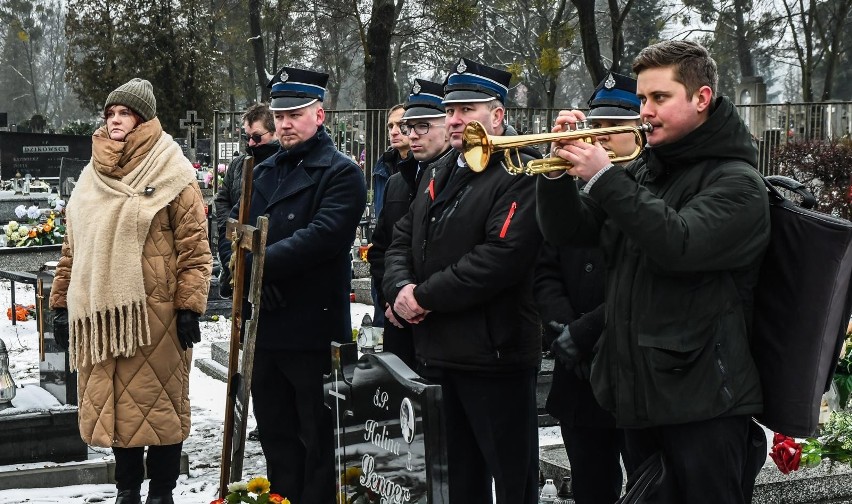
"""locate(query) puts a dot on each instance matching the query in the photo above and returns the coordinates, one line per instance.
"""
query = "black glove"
(225, 289)
(188, 329)
(564, 347)
(60, 327)
(271, 298)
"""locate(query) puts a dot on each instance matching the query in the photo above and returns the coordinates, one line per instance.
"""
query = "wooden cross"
(337, 398)
(191, 124)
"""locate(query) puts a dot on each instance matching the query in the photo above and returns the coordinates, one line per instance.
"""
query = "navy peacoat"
(314, 197)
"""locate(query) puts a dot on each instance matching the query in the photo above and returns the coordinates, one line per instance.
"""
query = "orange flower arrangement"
(22, 313)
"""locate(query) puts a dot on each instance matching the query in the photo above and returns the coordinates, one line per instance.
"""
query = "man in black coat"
(569, 291)
(422, 123)
(314, 196)
(259, 135)
(684, 229)
(386, 167)
(460, 270)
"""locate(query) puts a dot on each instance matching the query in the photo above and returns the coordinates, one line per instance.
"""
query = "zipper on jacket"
(724, 372)
(508, 219)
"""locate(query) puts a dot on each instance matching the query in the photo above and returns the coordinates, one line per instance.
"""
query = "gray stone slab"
(86, 472)
(219, 351)
(212, 369)
(8, 203)
(28, 258)
(822, 484)
(361, 286)
(360, 269)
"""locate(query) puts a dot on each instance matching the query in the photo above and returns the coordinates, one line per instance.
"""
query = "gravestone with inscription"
(39, 155)
(389, 431)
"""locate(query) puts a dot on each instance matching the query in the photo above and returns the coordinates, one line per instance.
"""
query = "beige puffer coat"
(144, 400)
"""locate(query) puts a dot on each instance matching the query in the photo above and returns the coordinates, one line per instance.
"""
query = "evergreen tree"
(163, 41)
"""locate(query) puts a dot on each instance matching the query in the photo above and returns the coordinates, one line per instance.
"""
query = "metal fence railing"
(362, 133)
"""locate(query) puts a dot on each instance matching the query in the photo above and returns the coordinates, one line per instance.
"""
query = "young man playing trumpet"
(683, 229)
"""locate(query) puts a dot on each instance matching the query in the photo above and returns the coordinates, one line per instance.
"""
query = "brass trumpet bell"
(478, 146)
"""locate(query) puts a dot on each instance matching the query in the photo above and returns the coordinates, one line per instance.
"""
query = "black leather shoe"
(128, 497)
(254, 435)
(159, 499)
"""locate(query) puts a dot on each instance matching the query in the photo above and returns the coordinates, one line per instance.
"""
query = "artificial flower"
(22, 313)
(33, 212)
(256, 491)
(237, 486)
(258, 485)
(21, 211)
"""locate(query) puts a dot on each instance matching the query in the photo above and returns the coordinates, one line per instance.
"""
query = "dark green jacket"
(684, 229)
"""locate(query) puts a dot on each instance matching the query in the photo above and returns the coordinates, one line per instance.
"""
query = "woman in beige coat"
(129, 288)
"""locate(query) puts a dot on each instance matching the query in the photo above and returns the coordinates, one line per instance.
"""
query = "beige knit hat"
(137, 95)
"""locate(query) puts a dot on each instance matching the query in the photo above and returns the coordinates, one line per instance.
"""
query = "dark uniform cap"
(615, 98)
(294, 88)
(424, 102)
(470, 81)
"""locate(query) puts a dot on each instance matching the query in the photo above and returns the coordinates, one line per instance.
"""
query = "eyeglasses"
(420, 128)
(257, 137)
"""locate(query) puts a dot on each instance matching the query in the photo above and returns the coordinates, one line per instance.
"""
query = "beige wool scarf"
(108, 222)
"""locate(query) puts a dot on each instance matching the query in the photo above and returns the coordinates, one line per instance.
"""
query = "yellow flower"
(258, 486)
(351, 476)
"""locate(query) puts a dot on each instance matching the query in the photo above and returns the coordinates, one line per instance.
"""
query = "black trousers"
(294, 424)
(492, 432)
(163, 464)
(594, 454)
(712, 460)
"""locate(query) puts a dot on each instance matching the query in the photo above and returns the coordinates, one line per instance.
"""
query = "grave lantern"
(7, 384)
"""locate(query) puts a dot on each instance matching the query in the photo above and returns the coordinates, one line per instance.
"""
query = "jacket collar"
(316, 152)
(722, 136)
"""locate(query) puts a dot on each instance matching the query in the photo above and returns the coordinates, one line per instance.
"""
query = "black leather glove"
(225, 289)
(271, 298)
(60, 327)
(564, 347)
(188, 328)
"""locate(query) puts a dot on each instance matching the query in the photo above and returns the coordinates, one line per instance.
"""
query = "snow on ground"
(204, 445)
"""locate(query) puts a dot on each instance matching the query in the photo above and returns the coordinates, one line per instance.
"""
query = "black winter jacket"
(684, 229)
(469, 242)
(232, 185)
(569, 289)
(314, 197)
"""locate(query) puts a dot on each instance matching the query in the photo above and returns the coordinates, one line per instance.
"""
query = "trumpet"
(478, 146)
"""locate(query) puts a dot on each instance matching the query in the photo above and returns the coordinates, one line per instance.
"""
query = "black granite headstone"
(389, 430)
(39, 154)
(54, 370)
(69, 173)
